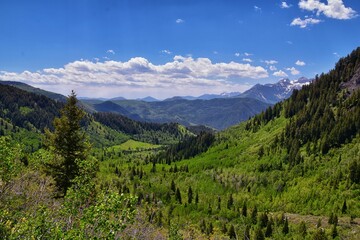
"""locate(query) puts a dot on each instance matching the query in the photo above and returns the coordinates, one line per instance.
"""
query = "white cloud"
(293, 71)
(271, 62)
(285, 5)
(303, 23)
(248, 54)
(300, 63)
(237, 54)
(280, 73)
(247, 60)
(257, 9)
(333, 9)
(272, 68)
(166, 51)
(182, 75)
(110, 51)
(179, 20)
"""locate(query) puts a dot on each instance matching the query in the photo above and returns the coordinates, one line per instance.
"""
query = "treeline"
(185, 149)
(25, 109)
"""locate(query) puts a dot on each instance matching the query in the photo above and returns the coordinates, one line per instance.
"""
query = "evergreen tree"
(263, 220)
(69, 144)
(320, 235)
(203, 226)
(259, 235)
(269, 229)
(173, 186)
(254, 215)
(344, 207)
(244, 210)
(178, 195)
(190, 195)
(230, 202)
(285, 229)
(232, 233)
(224, 229)
(334, 232)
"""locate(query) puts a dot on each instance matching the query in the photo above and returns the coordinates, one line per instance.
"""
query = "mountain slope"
(28, 88)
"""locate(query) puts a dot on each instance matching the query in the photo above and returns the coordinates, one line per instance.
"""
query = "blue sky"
(162, 48)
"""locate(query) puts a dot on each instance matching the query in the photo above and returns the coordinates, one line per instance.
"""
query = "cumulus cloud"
(166, 51)
(247, 60)
(237, 54)
(181, 74)
(248, 54)
(110, 51)
(293, 71)
(303, 23)
(333, 9)
(272, 68)
(280, 73)
(285, 5)
(271, 62)
(300, 63)
(179, 20)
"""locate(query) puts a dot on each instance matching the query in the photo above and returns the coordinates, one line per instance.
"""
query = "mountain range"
(217, 111)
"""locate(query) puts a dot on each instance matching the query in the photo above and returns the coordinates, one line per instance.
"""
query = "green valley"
(289, 172)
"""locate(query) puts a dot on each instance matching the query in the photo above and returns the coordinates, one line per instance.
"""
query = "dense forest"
(290, 172)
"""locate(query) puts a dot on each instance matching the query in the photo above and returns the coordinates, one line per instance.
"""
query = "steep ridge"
(273, 93)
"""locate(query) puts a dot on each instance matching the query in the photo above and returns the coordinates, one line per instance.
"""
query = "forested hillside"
(290, 172)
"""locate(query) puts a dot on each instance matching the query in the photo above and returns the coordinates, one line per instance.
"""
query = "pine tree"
(230, 202)
(69, 144)
(269, 230)
(334, 232)
(244, 210)
(285, 229)
(231, 233)
(190, 195)
(178, 195)
(259, 235)
(254, 215)
(344, 207)
(173, 186)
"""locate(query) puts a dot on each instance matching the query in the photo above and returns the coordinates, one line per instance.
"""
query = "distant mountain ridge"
(276, 92)
(218, 113)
